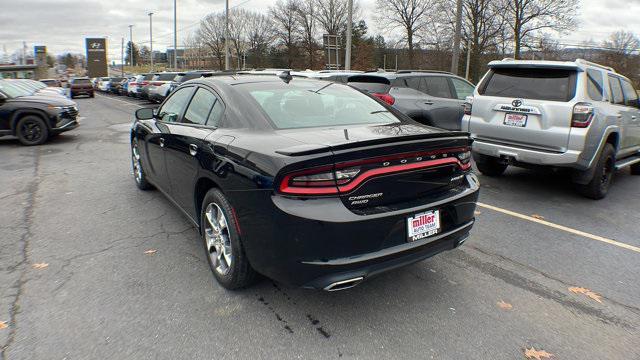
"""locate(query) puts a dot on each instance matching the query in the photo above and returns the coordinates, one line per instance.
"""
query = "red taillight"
(582, 115)
(347, 176)
(385, 97)
(133, 83)
(155, 83)
(144, 83)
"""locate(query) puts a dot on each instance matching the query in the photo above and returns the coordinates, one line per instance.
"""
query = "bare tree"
(525, 17)
(211, 33)
(238, 19)
(306, 19)
(623, 43)
(481, 30)
(260, 35)
(332, 15)
(286, 25)
(412, 16)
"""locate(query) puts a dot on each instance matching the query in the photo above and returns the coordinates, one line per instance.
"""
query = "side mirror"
(145, 114)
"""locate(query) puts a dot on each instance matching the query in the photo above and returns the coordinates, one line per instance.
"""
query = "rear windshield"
(372, 84)
(81, 81)
(302, 104)
(117, 79)
(539, 84)
(148, 77)
(164, 77)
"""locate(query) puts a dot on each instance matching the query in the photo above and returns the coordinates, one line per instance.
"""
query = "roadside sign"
(97, 65)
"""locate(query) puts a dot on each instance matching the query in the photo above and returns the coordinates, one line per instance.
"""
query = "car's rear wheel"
(32, 130)
(222, 243)
(599, 185)
(138, 171)
(489, 166)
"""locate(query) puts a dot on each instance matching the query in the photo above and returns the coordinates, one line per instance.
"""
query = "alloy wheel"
(135, 161)
(31, 131)
(217, 237)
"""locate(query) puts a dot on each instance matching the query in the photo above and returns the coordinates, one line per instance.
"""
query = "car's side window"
(616, 90)
(199, 107)
(215, 116)
(630, 94)
(438, 86)
(413, 82)
(595, 84)
(462, 88)
(172, 108)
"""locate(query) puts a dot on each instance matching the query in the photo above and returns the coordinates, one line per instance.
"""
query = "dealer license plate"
(423, 225)
(515, 120)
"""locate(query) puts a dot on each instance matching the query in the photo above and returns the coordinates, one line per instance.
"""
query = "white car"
(103, 84)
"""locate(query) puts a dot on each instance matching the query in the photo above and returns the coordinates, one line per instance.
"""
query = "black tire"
(138, 170)
(32, 130)
(489, 166)
(239, 272)
(599, 185)
(635, 169)
(92, 95)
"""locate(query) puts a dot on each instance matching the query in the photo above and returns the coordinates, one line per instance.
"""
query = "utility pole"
(466, 72)
(226, 35)
(456, 40)
(175, 35)
(347, 53)
(130, 45)
(122, 57)
(151, 38)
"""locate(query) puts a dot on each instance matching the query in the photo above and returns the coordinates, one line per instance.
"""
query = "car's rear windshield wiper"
(379, 111)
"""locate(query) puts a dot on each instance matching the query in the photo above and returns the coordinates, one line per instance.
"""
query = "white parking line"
(122, 101)
(561, 227)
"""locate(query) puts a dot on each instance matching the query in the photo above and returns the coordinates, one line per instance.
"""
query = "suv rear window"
(81, 81)
(539, 84)
(372, 84)
(164, 77)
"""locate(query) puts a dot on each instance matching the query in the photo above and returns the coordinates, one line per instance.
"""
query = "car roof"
(578, 64)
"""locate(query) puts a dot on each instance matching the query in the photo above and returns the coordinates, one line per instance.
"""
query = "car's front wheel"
(136, 164)
(489, 166)
(32, 130)
(222, 242)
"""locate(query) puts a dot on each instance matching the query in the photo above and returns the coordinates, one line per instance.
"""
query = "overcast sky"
(61, 25)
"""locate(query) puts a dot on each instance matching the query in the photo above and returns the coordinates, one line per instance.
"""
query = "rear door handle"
(161, 141)
(428, 102)
(193, 149)
(633, 117)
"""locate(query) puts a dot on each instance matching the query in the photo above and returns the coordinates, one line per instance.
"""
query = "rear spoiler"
(309, 149)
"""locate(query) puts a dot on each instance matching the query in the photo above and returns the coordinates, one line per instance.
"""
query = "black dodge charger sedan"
(34, 116)
(310, 183)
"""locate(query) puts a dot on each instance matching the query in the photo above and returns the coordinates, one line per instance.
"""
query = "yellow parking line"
(561, 227)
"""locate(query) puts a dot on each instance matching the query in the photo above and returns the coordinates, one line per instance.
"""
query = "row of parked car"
(575, 115)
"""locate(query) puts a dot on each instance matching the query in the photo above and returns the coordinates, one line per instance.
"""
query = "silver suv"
(577, 115)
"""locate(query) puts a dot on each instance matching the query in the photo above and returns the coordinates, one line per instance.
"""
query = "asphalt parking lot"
(93, 268)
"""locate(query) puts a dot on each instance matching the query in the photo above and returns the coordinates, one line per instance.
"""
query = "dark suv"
(34, 117)
(433, 98)
(80, 86)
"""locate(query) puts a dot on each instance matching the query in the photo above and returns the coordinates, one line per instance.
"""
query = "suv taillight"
(385, 97)
(582, 115)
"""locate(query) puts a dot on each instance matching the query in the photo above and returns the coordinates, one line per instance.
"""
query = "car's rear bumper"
(313, 243)
(568, 158)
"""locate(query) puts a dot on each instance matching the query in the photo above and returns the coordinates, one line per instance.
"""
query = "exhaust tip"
(344, 284)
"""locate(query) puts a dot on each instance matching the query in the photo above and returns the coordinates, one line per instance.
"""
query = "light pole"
(226, 35)
(130, 45)
(175, 35)
(347, 53)
(122, 58)
(456, 39)
(151, 38)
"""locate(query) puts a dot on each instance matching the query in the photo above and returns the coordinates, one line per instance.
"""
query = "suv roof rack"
(585, 62)
(423, 71)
